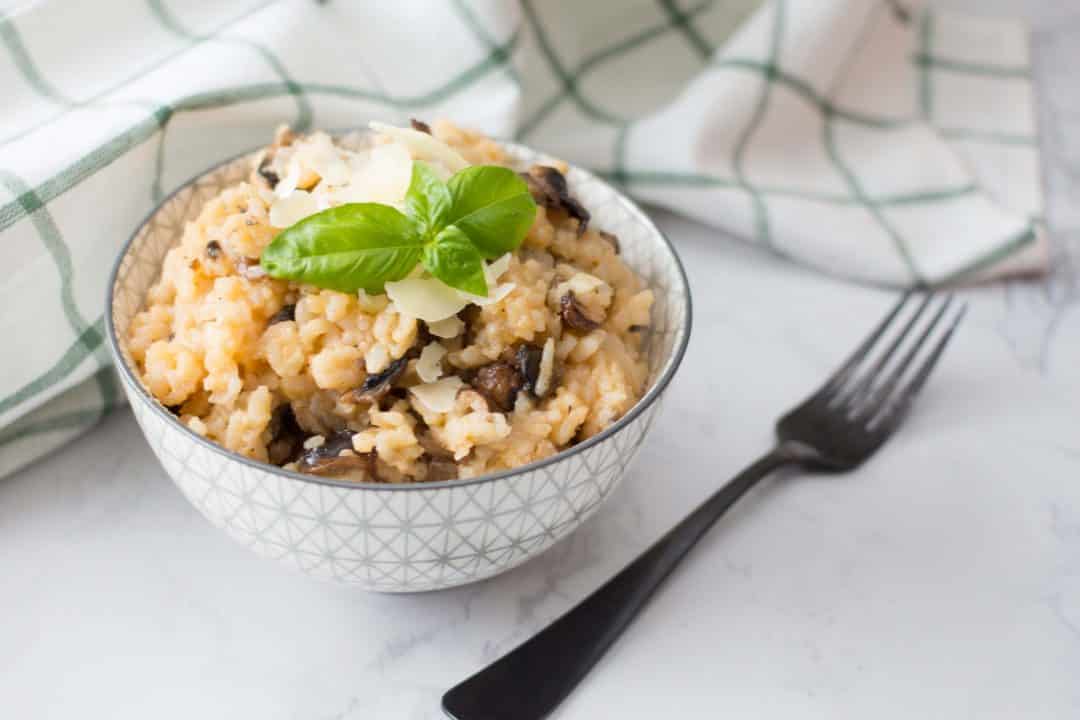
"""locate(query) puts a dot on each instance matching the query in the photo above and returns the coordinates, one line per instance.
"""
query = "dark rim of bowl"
(650, 396)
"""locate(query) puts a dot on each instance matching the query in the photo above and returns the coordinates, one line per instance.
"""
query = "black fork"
(836, 429)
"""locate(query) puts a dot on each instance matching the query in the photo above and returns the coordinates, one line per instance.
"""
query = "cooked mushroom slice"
(326, 459)
(499, 383)
(420, 125)
(266, 173)
(548, 187)
(423, 338)
(469, 315)
(286, 435)
(287, 312)
(439, 470)
(213, 249)
(432, 446)
(331, 466)
(283, 137)
(378, 385)
(573, 315)
(527, 359)
(612, 239)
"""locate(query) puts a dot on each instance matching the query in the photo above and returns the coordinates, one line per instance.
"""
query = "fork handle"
(531, 680)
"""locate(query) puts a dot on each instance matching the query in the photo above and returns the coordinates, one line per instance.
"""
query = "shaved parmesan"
(335, 172)
(318, 154)
(438, 396)
(495, 295)
(547, 368)
(423, 146)
(322, 199)
(451, 327)
(492, 272)
(429, 366)
(268, 195)
(382, 176)
(288, 183)
(497, 268)
(287, 211)
(427, 299)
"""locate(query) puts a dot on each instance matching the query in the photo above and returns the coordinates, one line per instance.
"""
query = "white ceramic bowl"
(402, 538)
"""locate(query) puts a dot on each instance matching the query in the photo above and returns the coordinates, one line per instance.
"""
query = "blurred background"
(944, 583)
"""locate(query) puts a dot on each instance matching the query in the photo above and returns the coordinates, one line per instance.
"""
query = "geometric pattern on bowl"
(402, 538)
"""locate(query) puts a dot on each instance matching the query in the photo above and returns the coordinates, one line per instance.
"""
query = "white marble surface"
(942, 580)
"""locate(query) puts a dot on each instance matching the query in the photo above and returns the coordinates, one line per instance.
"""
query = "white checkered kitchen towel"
(865, 138)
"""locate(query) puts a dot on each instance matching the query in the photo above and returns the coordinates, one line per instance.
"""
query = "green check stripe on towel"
(861, 137)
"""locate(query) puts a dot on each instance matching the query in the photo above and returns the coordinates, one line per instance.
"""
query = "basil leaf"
(346, 248)
(427, 200)
(454, 259)
(492, 206)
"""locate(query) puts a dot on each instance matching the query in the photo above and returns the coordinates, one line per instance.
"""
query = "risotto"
(360, 386)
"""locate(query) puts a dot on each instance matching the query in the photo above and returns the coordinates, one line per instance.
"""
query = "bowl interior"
(642, 246)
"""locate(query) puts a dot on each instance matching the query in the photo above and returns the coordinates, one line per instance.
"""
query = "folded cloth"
(865, 138)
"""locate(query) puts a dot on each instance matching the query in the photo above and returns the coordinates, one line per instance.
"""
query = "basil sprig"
(450, 228)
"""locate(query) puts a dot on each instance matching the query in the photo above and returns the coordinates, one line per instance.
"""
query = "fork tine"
(921, 376)
(869, 402)
(864, 348)
(893, 409)
(866, 382)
